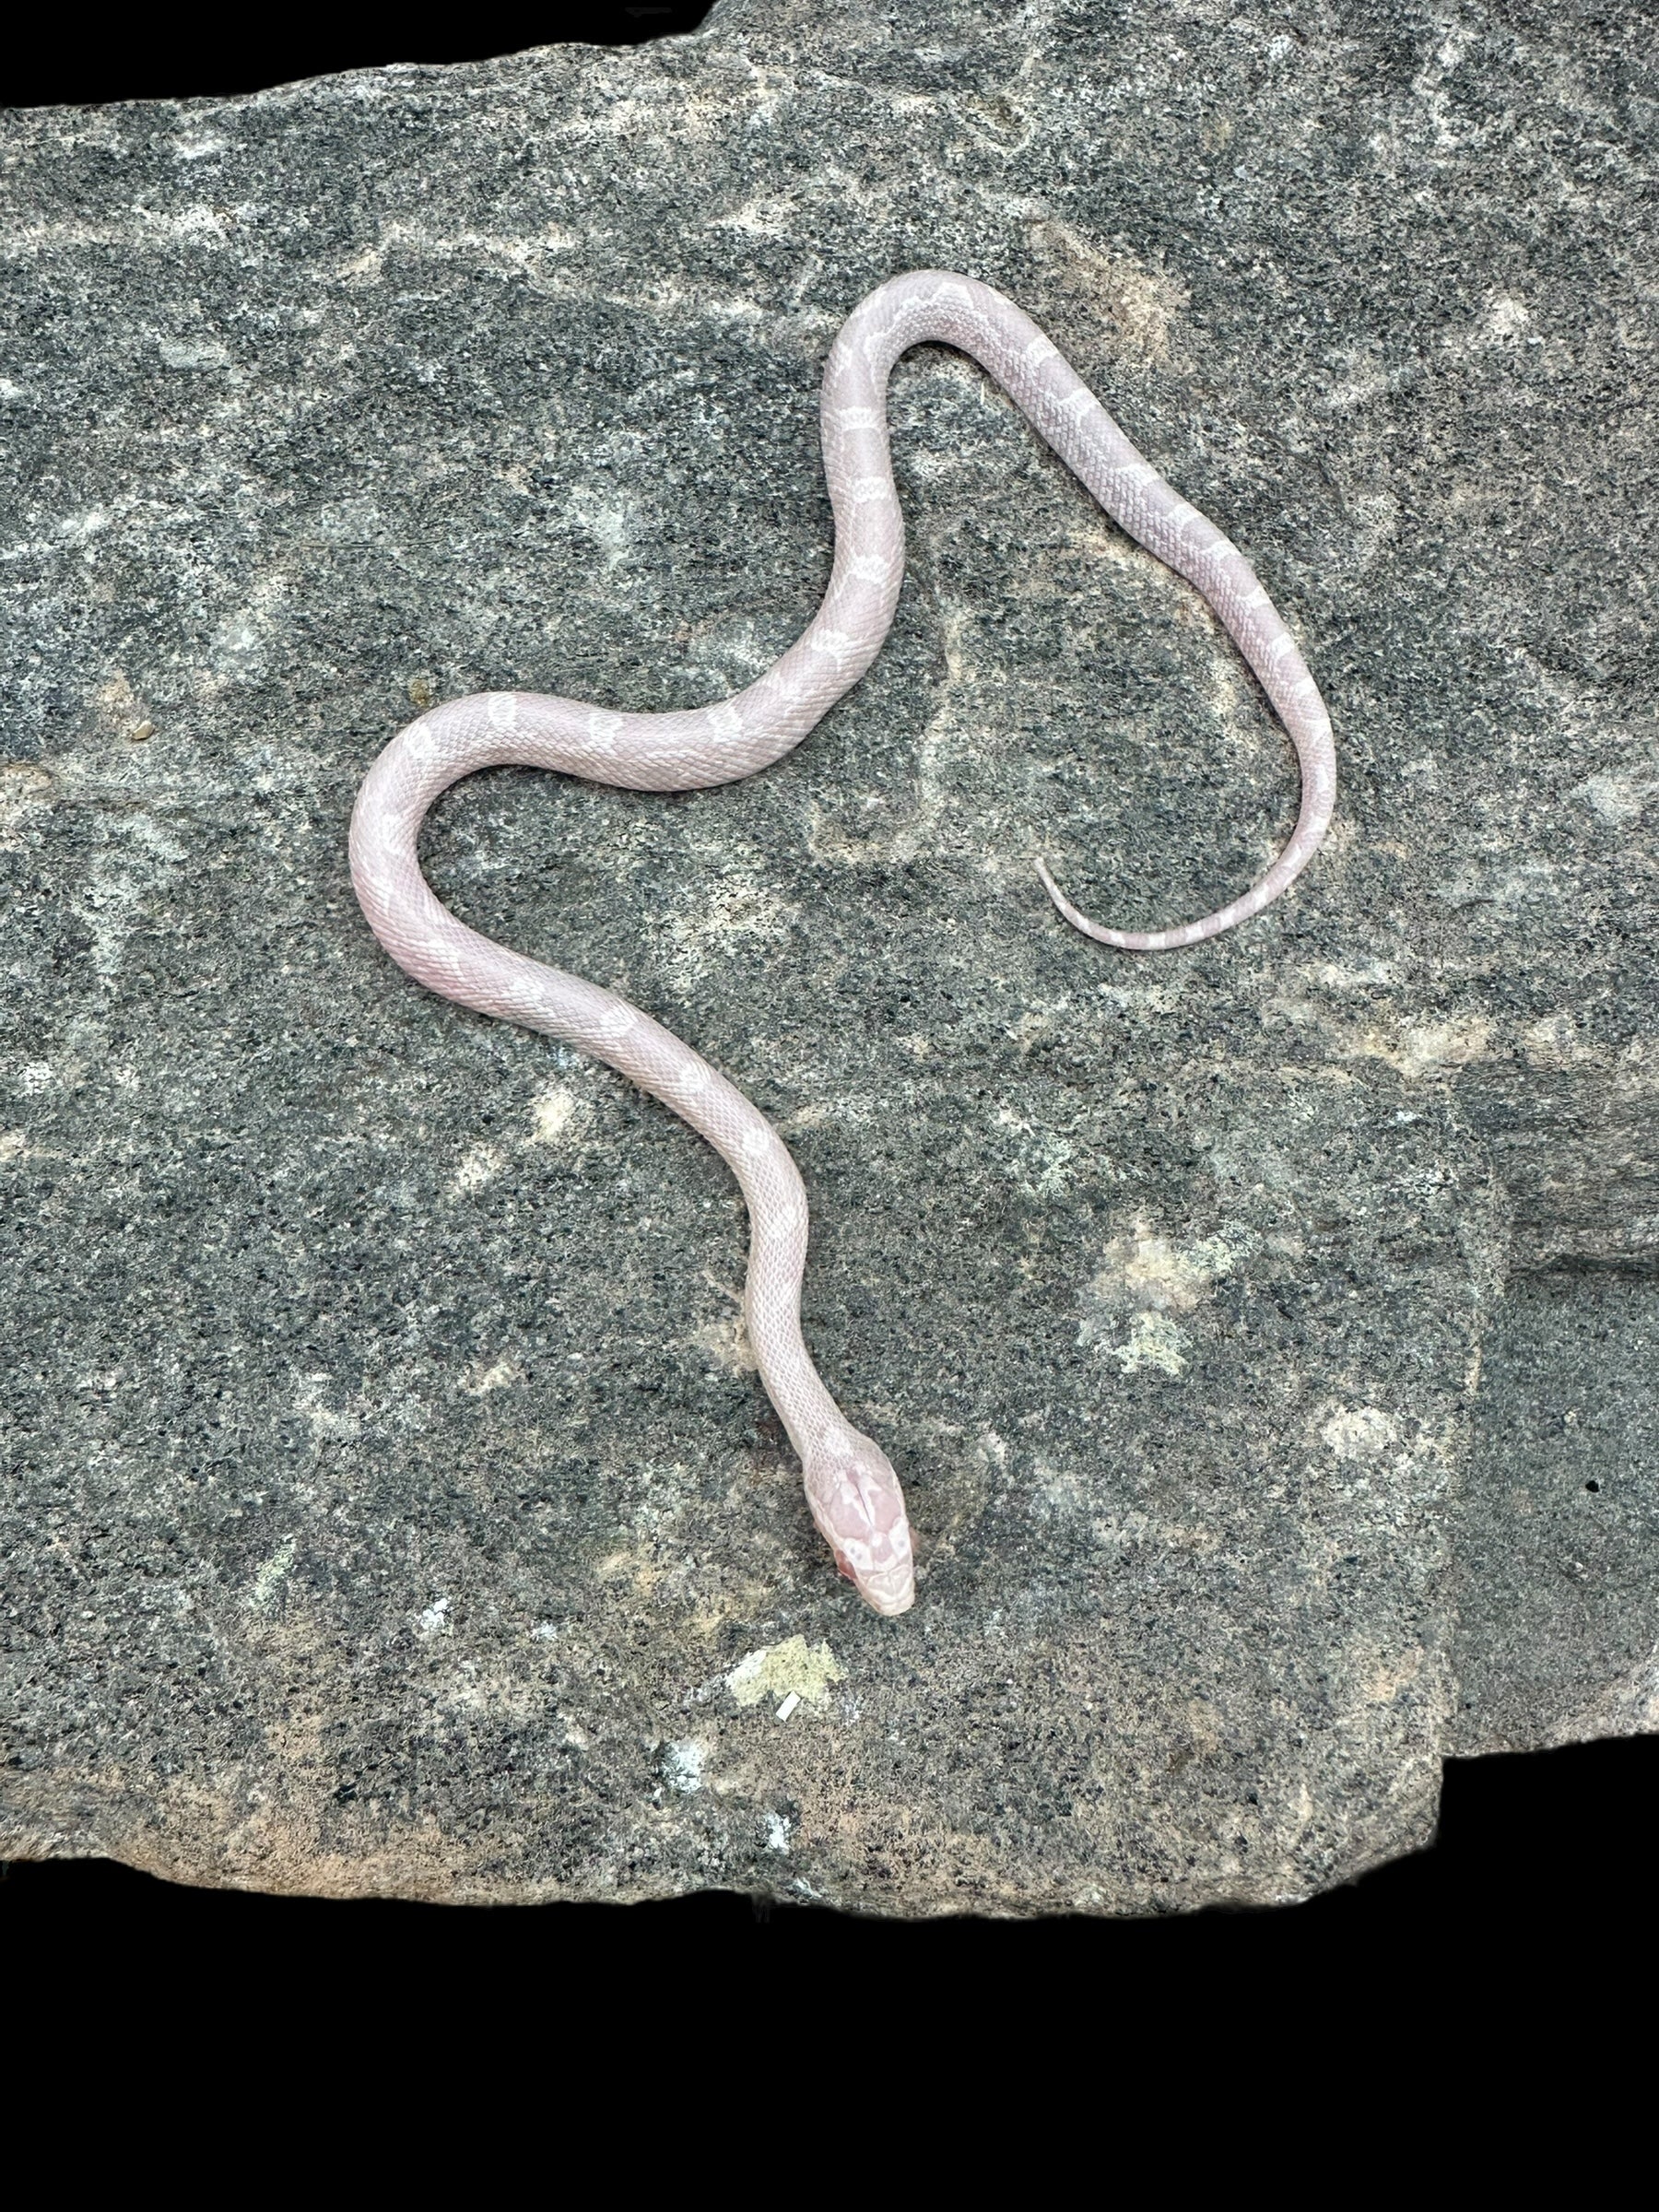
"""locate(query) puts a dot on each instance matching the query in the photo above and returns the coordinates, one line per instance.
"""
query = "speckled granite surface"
(1263, 1334)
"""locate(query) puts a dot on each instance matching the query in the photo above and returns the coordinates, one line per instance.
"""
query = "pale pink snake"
(853, 1490)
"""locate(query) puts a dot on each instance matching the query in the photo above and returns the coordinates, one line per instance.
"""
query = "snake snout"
(859, 1508)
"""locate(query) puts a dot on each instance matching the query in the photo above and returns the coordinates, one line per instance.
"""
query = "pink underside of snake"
(851, 1489)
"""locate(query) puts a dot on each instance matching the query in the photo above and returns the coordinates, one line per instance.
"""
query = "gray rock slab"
(1556, 1522)
(391, 1504)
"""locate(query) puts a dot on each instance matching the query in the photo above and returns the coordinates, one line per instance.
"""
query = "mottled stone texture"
(1264, 1333)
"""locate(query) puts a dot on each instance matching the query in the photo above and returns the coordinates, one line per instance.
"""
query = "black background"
(184, 54)
(1544, 1861)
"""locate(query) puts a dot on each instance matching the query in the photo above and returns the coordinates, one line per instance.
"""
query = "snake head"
(859, 1508)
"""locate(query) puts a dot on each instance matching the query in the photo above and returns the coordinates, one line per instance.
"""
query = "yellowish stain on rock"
(557, 1115)
(733, 915)
(1142, 305)
(1358, 1432)
(1154, 1340)
(1554, 1041)
(1422, 1049)
(1172, 1279)
(1151, 1280)
(1616, 799)
(1384, 1682)
(792, 1669)
(25, 786)
(120, 708)
(642, 1573)
(726, 1342)
(477, 1168)
(500, 1375)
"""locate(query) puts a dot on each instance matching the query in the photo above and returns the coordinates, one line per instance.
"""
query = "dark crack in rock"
(391, 1506)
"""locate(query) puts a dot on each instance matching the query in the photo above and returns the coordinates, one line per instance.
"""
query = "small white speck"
(683, 1765)
(35, 1077)
(1358, 1432)
(788, 1706)
(269, 1579)
(777, 1832)
(501, 1376)
(481, 1166)
(553, 1111)
(435, 1619)
(545, 1631)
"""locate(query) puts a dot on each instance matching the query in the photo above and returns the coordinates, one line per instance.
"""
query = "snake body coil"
(853, 1490)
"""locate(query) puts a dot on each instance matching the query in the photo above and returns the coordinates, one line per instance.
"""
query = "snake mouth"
(888, 1589)
(889, 1592)
(883, 1573)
